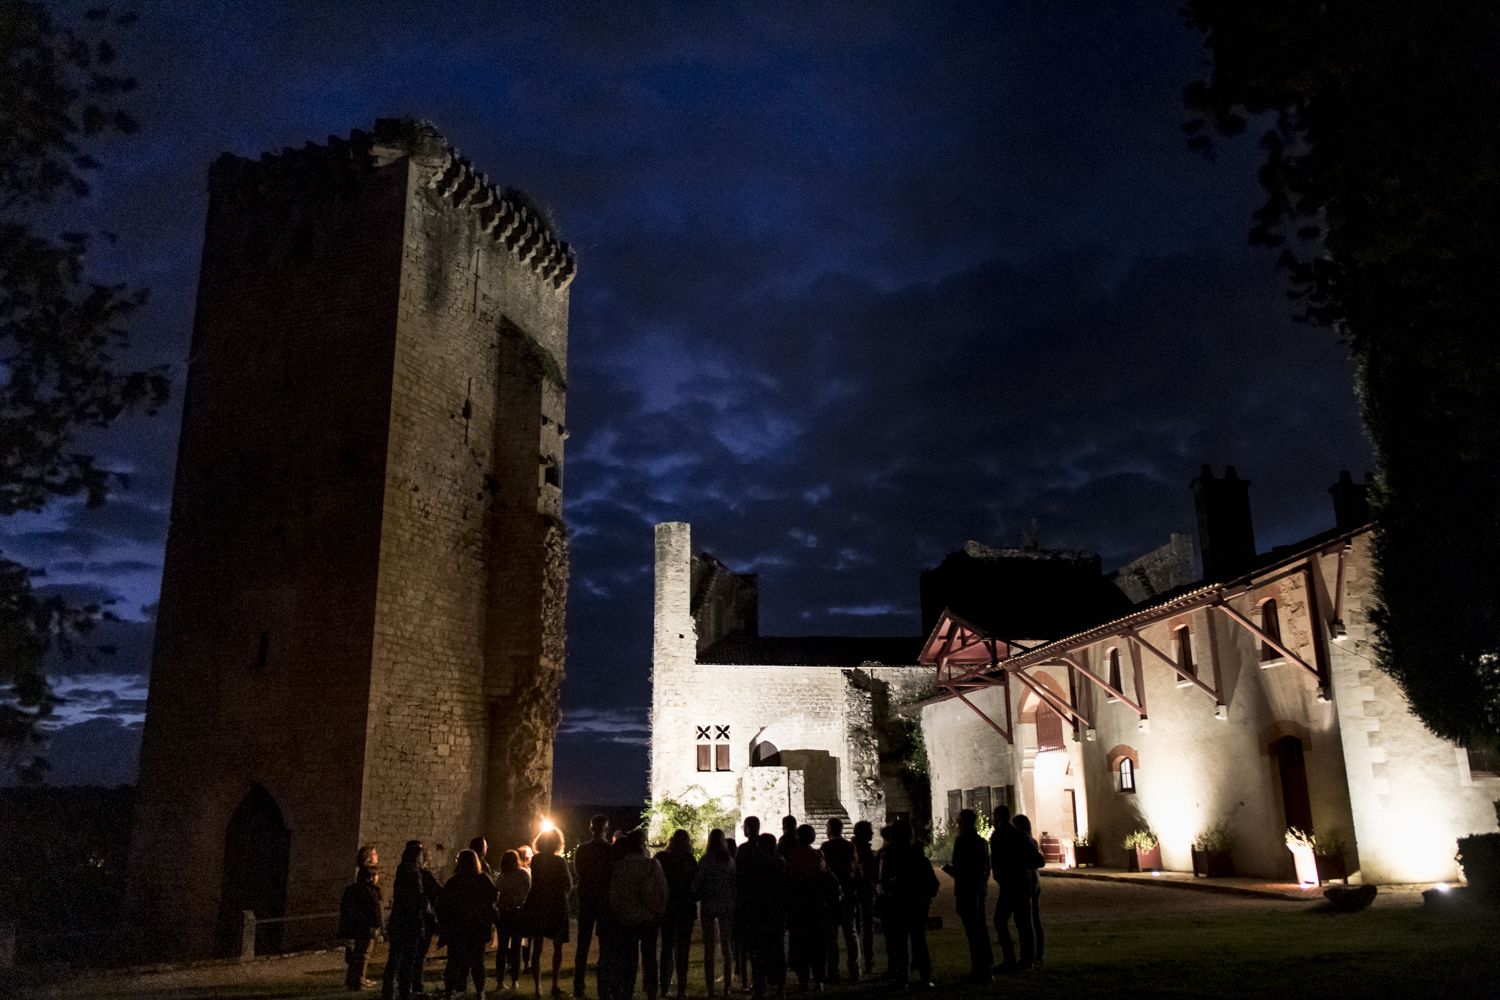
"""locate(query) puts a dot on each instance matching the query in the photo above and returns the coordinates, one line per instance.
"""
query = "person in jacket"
(431, 885)
(839, 856)
(788, 835)
(466, 913)
(970, 869)
(593, 863)
(512, 886)
(1035, 860)
(744, 953)
(761, 904)
(866, 878)
(680, 867)
(359, 925)
(1013, 857)
(713, 886)
(807, 945)
(481, 849)
(907, 885)
(406, 930)
(637, 902)
(546, 911)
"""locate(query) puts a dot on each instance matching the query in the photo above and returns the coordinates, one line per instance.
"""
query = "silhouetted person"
(971, 875)
(1011, 862)
(512, 886)
(680, 867)
(431, 886)
(907, 885)
(592, 863)
(406, 930)
(788, 834)
(637, 900)
(767, 884)
(481, 849)
(866, 878)
(744, 953)
(714, 886)
(359, 925)
(840, 857)
(466, 914)
(1035, 861)
(806, 909)
(368, 857)
(546, 910)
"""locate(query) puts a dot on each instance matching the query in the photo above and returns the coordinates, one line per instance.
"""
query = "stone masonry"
(362, 606)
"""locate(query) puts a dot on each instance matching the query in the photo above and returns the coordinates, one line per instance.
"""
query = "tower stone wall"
(363, 594)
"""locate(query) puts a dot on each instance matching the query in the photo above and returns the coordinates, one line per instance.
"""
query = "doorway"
(257, 855)
(1294, 797)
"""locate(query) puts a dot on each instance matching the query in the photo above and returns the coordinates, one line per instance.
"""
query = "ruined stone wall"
(468, 649)
(275, 532)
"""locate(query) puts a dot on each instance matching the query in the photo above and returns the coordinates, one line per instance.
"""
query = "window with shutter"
(721, 757)
(704, 761)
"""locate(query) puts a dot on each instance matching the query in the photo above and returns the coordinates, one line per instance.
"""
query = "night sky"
(856, 284)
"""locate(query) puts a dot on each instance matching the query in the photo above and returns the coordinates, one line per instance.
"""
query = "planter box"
(1331, 868)
(1143, 861)
(1479, 856)
(1212, 864)
(1085, 854)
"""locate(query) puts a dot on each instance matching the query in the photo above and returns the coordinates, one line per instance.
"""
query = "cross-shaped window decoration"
(702, 732)
(721, 732)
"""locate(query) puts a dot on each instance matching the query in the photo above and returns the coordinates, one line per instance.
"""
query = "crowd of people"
(767, 906)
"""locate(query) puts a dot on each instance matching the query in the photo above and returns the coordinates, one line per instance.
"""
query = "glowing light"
(547, 825)
(1441, 887)
(1156, 874)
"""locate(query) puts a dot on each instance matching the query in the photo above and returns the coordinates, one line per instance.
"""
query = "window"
(263, 656)
(1483, 763)
(1049, 729)
(721, 756)
(1114, 677)
(704, 757)
(1185, 652)
(1127, 775)
(955, 803)
(1270, 624)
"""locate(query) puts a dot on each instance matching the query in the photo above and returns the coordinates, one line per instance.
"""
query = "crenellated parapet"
(346, 163)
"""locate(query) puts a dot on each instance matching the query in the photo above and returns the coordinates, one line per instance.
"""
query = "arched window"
(1049, 729)
(1114, 676)
(1127, 775)
(1270, 624)
(1185, 651)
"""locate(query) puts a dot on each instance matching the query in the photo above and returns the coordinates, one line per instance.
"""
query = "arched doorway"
(257, 852)
(1294, 797)
(1050, 783)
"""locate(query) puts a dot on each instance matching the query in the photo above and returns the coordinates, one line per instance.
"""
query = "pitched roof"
(812, 650)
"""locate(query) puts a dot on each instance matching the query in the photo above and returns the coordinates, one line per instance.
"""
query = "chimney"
(1351, 502)
(1226, 538)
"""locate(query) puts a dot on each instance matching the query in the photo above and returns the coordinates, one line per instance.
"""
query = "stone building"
(1249, 700)
(820, 726)
(360, 636)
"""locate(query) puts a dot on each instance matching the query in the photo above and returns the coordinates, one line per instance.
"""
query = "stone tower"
(360, 637)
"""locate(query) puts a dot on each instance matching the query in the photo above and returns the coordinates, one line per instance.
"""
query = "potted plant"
(1084, 851)
(1212, 856)
(1328, 853)
(1143, 852)
(1303, 846)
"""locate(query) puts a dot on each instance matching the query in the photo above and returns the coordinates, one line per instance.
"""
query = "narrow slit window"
(1127, 775)
(263, 656)
(1185, 652)
(1115, 680)
(1270, 624)
(721, 756)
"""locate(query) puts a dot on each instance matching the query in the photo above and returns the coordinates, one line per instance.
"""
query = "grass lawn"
(1293, 953)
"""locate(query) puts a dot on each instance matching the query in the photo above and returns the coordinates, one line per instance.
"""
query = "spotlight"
(1441, 887)
(547, 825)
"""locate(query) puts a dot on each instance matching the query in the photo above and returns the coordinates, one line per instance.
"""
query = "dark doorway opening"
(765, 754)
(257, 853)
(1294, 784)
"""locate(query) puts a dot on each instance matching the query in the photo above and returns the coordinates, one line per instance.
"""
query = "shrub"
(667, 815)
(1141, 840)
(1215, 838)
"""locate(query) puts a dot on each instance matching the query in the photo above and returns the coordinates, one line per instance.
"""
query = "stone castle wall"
(364, 580)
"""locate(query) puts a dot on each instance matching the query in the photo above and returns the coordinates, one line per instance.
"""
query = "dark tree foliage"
(1382, 180)
(57, 329)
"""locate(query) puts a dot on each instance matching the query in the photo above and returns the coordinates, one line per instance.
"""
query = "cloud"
(100, 751)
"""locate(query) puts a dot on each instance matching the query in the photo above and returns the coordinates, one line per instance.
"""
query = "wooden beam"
(1049, 697)
(993, 724)
(1106, 686)
(1163, 657)
(1275, 644)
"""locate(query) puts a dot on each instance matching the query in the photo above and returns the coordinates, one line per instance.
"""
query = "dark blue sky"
(857, 282)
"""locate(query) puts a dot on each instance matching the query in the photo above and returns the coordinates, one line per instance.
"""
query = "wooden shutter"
(721, 757)
(703, 758)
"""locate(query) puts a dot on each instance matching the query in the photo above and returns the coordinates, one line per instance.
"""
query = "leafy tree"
(58, 329)
(1382, 180)
(667, 815)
